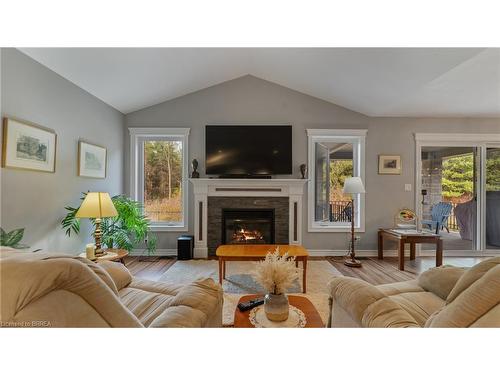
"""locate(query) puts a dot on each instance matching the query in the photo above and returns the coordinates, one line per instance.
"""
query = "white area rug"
(239, 281)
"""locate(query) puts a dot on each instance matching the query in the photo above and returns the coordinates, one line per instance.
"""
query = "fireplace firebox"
(248, 226)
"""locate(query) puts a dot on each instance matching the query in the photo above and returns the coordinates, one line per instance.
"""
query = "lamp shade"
(97, 205)
(353, 185)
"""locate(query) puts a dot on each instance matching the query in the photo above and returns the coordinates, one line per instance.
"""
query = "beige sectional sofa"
(441, 297)
(50, 290)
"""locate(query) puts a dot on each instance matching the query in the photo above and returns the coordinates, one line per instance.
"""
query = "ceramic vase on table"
(276, 307)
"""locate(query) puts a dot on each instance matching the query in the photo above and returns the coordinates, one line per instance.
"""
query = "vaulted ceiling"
(414, 82)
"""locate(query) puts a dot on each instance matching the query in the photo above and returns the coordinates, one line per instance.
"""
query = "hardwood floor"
(373, 271)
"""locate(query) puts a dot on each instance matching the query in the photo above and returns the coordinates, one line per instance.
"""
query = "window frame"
(137, 138)
(358, 138)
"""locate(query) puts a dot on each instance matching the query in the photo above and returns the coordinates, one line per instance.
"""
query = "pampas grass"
(276, 273)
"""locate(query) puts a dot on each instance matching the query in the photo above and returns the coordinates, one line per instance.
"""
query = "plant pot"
(276, 307)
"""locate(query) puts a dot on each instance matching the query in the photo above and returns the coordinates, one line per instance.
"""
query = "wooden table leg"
(439, 252)
(304, 275)
(220, 270)
(401, 254)
(224, 269)
(412, 250)
(380, 245)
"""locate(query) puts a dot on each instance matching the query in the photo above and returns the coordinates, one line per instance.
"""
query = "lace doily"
(296, 319)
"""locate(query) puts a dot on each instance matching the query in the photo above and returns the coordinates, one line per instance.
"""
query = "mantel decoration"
(276, 275)
(303, 171)
(91, 160)
(389, 164)
(195, 173)
(28, 146)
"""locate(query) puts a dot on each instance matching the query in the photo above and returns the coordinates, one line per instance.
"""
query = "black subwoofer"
(185, 246)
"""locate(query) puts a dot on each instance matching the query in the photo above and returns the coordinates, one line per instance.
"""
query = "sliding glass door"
(449, 205)
(492, 198)
(458, 190)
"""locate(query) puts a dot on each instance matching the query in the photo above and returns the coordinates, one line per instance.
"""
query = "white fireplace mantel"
(222, 187)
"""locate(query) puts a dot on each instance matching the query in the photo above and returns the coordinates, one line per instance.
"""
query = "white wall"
(36, 200)
(249, 100)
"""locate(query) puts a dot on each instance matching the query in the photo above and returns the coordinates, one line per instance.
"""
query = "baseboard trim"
(332, 253)
(158, 252)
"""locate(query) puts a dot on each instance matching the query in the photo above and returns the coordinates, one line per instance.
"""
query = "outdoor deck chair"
(440, 213)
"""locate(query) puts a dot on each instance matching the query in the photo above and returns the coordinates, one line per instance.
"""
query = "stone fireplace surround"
(211, 195)
(216, 205)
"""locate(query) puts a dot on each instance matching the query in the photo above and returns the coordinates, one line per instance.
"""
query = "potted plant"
(124, 231)
(276, 274)
(12, 238)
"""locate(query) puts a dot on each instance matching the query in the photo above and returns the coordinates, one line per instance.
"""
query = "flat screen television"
(248, 150)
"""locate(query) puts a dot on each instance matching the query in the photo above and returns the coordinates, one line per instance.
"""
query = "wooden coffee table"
(412, 238)
(258, 252)
(241, 319)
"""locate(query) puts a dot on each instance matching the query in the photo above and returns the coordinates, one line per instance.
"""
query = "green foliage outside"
(125, 231)
(163, 180)
(458, 176)
(339, 171)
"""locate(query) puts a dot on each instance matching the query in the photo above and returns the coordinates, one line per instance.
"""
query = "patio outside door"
(449, 195)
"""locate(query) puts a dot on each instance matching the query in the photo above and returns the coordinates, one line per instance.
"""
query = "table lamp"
(96, 206)
(353, 185)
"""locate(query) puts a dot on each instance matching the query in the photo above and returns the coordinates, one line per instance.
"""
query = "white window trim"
(136, 136)
(329, 135)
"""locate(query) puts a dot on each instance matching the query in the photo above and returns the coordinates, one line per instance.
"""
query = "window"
(334, 155)
(159, 175)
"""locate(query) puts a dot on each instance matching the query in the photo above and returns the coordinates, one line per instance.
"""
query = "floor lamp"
(353, 185)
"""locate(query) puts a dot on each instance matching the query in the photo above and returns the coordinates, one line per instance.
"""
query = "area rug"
(239, 281)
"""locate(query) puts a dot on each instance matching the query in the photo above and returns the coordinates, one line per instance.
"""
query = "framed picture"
(28, 146)
(389, 164)
(91, 160)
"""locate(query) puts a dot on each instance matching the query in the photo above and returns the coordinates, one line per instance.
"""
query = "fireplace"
(248, 226)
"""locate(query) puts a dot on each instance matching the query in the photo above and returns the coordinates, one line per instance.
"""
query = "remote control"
(245, 306)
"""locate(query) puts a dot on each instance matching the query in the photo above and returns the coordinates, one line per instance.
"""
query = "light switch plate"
(407, 187)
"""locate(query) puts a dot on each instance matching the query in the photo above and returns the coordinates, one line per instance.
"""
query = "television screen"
(248, 150)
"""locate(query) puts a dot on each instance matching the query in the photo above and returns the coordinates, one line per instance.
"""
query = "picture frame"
(389, 164)
(28, 146)
(92, 160)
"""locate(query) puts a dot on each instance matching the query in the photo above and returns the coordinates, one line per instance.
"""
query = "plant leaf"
(13, 237)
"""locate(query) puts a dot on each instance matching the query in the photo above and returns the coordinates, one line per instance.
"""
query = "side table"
(115, 255)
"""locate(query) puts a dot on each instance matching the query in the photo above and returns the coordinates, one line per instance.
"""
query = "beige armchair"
(441, 297)
(49, 290)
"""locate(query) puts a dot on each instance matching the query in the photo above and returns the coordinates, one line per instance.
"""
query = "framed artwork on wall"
(91, 160)
(28, 146)
(389, 164)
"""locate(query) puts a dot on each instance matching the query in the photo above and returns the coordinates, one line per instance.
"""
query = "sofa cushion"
(471, 276)
(367, 305)
(145, 305)
(162, 305)
(400, 287)
(440, 280)
(118, 273)
(420, 305)
(480, 299)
